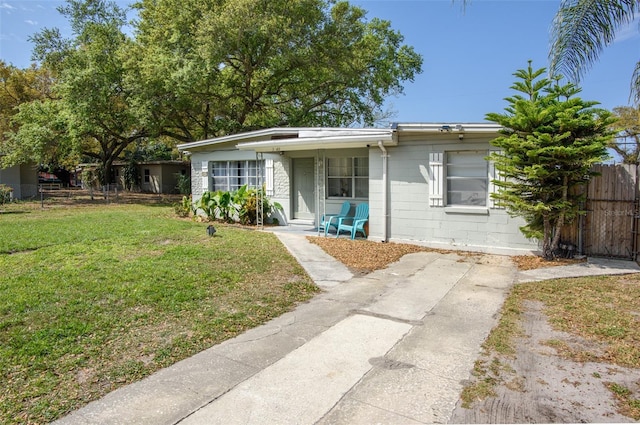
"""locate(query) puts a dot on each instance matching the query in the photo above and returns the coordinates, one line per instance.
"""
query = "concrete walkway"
(392, 347)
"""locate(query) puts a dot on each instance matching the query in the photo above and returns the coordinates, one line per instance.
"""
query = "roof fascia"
(448, 127)
(322, 142)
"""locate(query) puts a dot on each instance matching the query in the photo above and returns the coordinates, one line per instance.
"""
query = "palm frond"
(635, 85)
(581, 29)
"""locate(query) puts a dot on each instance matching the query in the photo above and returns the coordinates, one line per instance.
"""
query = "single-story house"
(425, 183)
(23, 179)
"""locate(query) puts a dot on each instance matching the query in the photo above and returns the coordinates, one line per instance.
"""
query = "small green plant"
(183, 184)
(628, 405)
(248, 211)
(89, 178)
(240, 205)
(5, 194)
(208, 204)
(130, 175)
(184, 208)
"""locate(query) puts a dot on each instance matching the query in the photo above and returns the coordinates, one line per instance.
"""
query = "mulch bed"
(363, 256)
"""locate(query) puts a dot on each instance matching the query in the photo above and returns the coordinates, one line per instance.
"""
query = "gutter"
(385, 191)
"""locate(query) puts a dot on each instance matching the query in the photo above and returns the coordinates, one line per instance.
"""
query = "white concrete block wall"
(196, 180)
(413, 220)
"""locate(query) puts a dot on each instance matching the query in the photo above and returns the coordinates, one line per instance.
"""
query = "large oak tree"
(218, 67)
(93, 111)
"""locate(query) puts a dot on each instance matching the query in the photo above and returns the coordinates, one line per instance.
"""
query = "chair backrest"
(362, 211)
(346, 207)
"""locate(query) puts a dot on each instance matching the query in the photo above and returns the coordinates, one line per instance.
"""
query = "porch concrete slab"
(592, 267)
(305, 384)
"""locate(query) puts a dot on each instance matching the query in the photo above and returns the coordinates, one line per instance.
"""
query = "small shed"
(23, 179)
(154, 176)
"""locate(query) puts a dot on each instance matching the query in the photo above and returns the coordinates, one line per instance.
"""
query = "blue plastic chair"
(357, 222)
(328, 219)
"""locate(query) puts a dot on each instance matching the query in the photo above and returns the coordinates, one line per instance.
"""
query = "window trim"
(448, 177)
(244, 179)
(353, 178)
(437, 183)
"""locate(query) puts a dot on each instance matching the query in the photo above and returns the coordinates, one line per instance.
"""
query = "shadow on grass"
(13, 212)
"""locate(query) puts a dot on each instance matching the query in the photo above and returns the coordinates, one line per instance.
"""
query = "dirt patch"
(530, 262)
(539, 385)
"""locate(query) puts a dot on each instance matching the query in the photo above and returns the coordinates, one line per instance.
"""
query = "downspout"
(385, 190)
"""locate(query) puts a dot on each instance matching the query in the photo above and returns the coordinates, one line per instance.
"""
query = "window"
(467, 178)
(231, 175)
(348, 177)
(147, 175)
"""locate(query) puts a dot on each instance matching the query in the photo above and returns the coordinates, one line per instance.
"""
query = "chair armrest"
(341, 220)
(360, 221)
(329, 216)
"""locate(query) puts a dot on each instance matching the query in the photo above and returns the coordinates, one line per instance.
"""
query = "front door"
(303, 188)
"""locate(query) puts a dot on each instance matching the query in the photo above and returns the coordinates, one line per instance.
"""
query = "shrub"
(5, 194)
(184, 184)
(240, 205)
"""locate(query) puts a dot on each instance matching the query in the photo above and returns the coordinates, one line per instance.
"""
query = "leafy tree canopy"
(224, 66)
(627, 129)
(195, 69)
(92, 111)
(550, 141)
(18, 87)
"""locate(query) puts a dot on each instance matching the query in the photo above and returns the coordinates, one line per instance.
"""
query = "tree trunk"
(557, 228)
(547, 252)
(556, 234)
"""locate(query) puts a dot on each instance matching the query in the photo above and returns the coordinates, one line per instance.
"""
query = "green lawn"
(96, 297)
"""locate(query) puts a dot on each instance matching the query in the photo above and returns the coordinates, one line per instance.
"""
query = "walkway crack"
(387, 317)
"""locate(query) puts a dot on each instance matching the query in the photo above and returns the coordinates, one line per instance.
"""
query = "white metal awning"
(321, 142)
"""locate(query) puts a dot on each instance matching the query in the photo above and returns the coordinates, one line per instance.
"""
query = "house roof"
(306, 138)
(447, 127)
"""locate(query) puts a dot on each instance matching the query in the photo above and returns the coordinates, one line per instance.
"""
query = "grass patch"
(94, 298)
(628, 405)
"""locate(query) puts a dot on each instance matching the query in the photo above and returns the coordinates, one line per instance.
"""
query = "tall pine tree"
(549, 142)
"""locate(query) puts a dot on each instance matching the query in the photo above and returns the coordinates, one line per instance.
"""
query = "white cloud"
(629, 31)
(6, 6)
(30, 22)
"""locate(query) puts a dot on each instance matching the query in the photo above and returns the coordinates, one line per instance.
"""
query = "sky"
(469, 54)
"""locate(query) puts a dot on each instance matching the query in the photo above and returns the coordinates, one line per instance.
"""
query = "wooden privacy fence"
(610, 226)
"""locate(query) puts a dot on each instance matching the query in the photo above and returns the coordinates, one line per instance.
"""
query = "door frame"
(311, 195)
